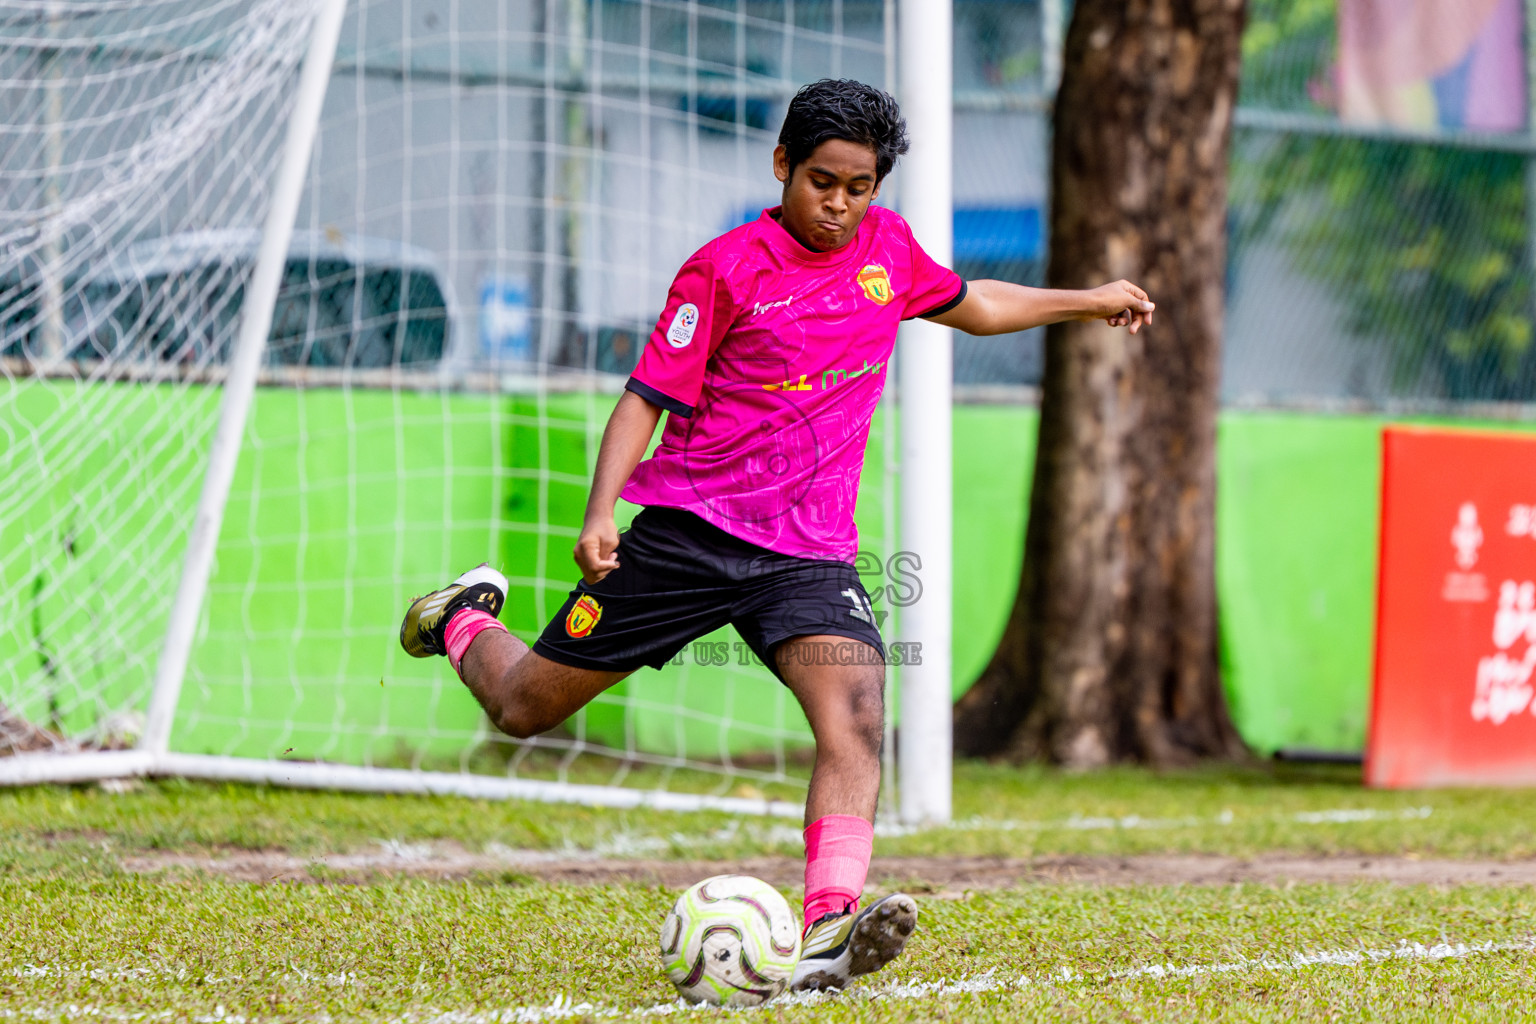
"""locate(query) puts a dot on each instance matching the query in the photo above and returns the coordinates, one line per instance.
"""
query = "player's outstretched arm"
(625, 439)
(998, 307)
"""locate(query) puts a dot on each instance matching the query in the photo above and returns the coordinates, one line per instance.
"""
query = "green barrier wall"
(85, 534)
(386, 489)
(376, 488)
(1296, 557)
(1296, 526)
(1297, 533)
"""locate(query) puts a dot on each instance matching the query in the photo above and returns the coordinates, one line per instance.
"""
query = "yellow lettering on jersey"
(788, 385)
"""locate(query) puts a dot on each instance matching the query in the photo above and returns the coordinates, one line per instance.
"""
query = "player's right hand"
(596, 549)
(1120, 304)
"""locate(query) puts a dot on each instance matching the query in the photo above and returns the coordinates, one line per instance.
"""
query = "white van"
(348, 306)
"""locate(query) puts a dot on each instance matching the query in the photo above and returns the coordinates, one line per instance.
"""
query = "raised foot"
(421, 632)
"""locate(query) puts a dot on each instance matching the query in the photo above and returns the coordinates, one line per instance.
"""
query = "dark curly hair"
(840, 108)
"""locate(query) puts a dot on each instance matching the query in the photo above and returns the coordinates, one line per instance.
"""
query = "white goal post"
(926, 367)
(307, 305)
(240, 386)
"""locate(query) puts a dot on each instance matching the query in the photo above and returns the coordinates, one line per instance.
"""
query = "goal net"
(135, 134)
(497, 199)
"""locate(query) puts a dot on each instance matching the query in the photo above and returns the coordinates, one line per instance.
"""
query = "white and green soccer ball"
(730, 940)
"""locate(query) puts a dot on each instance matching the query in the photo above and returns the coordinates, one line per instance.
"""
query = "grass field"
(120, 905)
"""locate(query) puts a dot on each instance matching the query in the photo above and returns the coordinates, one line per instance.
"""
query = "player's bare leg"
(524, 693)
(845, 705)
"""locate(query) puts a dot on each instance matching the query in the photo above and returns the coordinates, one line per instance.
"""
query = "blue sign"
(983, 234)
(506, 319)
(994, 234)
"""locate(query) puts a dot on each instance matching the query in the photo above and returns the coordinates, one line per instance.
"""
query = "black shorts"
(680, 578)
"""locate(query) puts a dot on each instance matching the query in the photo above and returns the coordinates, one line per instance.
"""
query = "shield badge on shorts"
(584, 615)
(876, 284)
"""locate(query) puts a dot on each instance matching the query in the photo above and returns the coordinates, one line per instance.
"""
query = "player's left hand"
(1120, 304)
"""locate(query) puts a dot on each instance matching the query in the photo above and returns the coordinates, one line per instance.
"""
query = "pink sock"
(837, 851)
(466, 624)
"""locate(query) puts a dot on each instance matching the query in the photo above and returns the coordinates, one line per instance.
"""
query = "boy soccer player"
(770, 355)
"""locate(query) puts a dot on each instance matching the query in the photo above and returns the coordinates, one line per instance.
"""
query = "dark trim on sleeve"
(944, 307)
(655, 397)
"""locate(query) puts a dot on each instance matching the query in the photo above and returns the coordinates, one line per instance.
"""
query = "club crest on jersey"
(584, 615)
(683, 323)
(876, 284)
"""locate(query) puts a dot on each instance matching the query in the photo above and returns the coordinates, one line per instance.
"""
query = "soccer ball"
(730, 940)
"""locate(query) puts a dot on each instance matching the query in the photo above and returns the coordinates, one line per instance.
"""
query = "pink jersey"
(771, 359)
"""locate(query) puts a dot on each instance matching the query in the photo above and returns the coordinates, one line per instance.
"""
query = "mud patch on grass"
(942, 876)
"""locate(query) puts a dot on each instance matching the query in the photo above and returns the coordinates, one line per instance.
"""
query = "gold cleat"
(421, 633)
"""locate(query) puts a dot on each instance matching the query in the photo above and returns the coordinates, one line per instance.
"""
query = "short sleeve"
(934, 289)
(699, 311)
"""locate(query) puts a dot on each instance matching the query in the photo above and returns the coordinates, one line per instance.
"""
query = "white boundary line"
(640, 843)
(1089, 823)
(565, 1008)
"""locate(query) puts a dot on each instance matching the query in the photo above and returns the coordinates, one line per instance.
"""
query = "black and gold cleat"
(839, 948)
(421, 634)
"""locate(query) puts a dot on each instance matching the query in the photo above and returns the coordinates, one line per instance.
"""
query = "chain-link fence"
(1378, 265)
(552, 163)
(1368, 265)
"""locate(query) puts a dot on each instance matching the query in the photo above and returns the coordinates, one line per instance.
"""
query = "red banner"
(1455, 611)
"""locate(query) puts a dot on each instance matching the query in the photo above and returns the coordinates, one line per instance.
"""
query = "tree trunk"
(1110, 653)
